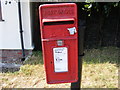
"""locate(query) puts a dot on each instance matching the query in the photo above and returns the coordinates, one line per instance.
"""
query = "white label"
(72, 30)
(60, 59)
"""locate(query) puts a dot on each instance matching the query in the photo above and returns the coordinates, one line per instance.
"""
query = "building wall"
(9, 29)
(13, 56)
(10, 42)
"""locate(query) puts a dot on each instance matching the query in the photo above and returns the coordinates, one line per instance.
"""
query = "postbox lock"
(60, 42)
(72, 30)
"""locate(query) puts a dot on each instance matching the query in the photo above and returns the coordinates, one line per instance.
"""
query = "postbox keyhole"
(60, 42)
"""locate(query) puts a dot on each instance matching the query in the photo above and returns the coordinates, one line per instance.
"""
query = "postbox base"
(59, 82)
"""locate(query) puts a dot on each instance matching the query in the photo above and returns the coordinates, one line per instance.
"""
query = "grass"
(102, 55)
(35, 59)
(100, 70)
(100, 76)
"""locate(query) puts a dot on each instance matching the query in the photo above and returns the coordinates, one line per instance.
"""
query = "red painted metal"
(53, 28)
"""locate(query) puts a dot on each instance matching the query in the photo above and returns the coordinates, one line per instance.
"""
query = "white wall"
(9, 29)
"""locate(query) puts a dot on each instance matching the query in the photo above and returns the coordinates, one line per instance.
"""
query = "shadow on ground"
(102, 55)
(92, 56)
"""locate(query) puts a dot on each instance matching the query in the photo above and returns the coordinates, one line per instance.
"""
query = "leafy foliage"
(104, 7)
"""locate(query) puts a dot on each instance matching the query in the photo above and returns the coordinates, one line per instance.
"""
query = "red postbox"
(59, 36)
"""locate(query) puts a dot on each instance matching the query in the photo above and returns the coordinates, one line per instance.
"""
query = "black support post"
(77, 85)
(81, 29)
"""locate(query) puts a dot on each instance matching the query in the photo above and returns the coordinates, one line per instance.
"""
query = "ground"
(95, 74)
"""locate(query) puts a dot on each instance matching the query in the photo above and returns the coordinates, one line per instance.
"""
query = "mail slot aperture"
(58, 22)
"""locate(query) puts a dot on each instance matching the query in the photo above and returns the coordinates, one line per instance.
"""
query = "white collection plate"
(60, 59)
